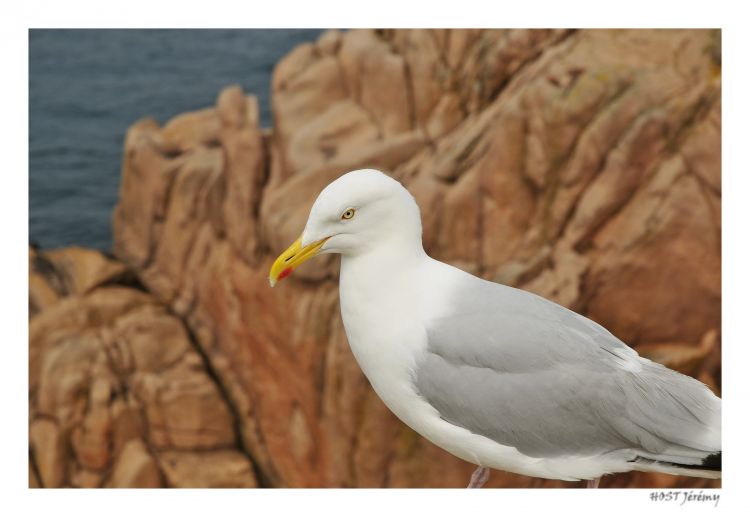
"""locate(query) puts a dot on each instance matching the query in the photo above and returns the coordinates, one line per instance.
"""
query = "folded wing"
(530, 374)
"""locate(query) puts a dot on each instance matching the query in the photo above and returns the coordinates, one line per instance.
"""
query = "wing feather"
(528, 373)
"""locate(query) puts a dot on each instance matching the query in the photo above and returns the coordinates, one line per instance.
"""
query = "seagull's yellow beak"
(293, 257)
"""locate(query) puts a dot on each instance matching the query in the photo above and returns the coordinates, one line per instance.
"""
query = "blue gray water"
(87, 86)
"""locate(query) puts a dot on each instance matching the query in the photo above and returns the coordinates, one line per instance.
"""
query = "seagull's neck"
(381, 298)
(381, 266)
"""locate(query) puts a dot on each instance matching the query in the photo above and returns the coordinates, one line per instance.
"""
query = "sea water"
(87, 86)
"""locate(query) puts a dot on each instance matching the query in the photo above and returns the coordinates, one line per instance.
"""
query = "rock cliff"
(580, 165)
(120, 393)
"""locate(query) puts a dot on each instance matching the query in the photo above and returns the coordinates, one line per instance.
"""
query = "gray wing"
(530, 374)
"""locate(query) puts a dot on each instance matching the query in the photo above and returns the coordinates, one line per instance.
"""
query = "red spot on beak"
(285, 273)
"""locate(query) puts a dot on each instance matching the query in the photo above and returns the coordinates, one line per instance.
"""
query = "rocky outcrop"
(581, 165)
(119, 395)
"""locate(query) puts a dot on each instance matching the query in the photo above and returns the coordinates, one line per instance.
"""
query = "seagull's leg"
(479, 477)
(593, 483)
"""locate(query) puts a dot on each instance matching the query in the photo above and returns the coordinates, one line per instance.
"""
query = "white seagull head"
(360, 211)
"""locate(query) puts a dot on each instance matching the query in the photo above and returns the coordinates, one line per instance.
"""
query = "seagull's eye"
(348, 214)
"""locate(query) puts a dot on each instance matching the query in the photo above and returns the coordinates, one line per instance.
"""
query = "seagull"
(497, 376)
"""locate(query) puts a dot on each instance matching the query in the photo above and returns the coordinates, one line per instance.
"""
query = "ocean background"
(87, 86)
